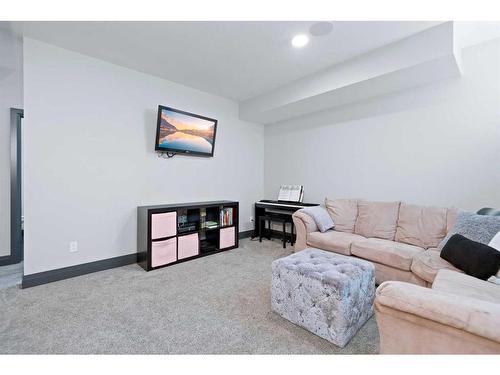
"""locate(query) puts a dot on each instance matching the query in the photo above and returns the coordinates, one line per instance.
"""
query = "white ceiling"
(421, 59)
(237, 60)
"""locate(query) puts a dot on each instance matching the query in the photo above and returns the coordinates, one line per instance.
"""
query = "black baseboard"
(245, 234)
(78, 270)
(7, 259)
(83, 269)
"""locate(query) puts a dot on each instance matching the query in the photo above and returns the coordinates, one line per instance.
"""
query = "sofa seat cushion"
(421, 226)
(332, 240)
(427, 264)
(390, 253)
(377, 219)
(466, 286)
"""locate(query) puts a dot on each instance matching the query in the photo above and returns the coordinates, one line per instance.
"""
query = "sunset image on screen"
(183, 132)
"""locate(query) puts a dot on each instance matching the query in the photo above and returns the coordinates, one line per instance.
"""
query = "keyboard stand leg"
(260, 230)
(284, 234)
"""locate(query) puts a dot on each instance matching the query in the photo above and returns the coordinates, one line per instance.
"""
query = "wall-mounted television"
(181, 132)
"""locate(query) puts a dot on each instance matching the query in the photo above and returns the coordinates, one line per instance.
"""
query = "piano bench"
(270, 218)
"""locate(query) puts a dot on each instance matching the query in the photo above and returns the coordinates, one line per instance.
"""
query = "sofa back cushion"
(377, 219)
(343, 213)
(421, 226)
(451, 217)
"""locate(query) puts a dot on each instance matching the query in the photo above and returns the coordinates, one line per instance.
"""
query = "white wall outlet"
(250, 219)
(73, 247)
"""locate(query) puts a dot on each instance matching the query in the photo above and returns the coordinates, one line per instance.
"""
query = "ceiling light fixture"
(321, 28)
(300, 40)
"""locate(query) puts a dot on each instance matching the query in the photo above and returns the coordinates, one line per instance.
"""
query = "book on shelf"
(211, 224)
(226, 216)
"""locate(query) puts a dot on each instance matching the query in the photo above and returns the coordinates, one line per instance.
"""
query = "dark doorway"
(16, 204)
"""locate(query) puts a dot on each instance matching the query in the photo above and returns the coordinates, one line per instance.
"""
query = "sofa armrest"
(477, 317)
(304, 224)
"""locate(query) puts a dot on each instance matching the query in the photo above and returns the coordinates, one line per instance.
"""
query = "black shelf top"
(191, 204)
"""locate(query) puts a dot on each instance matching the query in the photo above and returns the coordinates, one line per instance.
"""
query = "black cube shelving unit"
(174, 233)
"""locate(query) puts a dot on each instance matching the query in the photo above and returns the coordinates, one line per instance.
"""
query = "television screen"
(183, 132)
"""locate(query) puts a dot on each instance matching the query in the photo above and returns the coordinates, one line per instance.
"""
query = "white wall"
(436, 145)
(11, 96)
(90, 160)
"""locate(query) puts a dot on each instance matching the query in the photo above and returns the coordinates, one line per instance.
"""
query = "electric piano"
(283, 207)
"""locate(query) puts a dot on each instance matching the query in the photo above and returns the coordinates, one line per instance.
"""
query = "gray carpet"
(216, 304)
(11, 275)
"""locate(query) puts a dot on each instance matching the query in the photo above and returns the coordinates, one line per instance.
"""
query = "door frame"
(16, 233)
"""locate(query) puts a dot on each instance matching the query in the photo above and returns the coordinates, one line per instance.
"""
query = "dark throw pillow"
(474, 258)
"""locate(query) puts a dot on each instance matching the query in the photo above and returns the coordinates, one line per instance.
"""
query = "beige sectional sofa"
(400, 239)
(446, 312)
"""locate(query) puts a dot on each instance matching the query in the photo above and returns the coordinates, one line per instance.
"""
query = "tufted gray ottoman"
(328, 294)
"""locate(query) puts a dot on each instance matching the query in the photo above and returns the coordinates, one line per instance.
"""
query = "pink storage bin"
(227, 237)
(188, 246)
(163, 252)
(163, 225)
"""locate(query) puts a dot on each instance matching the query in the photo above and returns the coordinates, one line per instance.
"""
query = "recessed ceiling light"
(300, 40)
